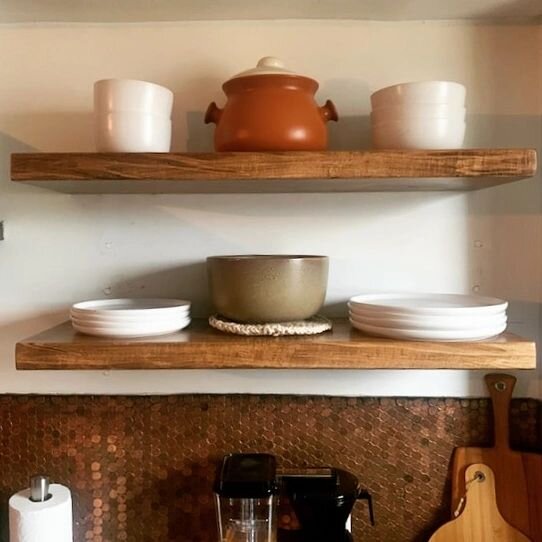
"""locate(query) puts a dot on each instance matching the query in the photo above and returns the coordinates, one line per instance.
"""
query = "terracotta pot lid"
(268, 65)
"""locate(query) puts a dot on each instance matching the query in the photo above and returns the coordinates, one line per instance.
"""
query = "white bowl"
(428, 92)
(115, 95)
(419, 133)
(132, 132)
(417, 111)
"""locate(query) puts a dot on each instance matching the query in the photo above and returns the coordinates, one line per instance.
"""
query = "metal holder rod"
(39, 488)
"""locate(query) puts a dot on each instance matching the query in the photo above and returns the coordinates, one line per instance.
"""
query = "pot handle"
(328, 111)
(213, 113)
(366, 496)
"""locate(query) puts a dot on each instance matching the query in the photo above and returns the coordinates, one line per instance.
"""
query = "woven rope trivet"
(311, 326)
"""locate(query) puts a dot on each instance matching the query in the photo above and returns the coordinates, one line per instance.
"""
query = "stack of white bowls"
(132, 116)
(125, 318)
(424, 115)
(428, 317)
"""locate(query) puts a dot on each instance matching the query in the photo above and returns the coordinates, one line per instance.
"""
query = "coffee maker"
(248, 489)
(322, 500)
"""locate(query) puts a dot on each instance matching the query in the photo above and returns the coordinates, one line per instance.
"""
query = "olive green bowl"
(267, 288)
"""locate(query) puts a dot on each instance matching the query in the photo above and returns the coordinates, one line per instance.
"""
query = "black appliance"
(322, 499)
(248, 488)
(245, 498)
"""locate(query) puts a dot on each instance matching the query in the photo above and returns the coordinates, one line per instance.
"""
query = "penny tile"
(141, 468)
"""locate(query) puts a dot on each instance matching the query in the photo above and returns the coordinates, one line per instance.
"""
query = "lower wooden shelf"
(201, 347)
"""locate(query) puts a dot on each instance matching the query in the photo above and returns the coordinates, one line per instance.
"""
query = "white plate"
(118, 333)
(413, 316)
(431, 334)
(430, 322)
(113, 318)
(171, 322)
(429, 304)
(131, 307)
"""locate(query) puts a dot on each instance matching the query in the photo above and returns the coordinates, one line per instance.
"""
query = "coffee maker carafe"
(245, 498)
(322, 500)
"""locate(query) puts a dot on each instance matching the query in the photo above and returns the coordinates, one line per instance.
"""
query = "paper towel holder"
(39, 488)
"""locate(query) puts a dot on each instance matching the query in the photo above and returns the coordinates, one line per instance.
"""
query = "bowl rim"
(132, 82)
(419, 84)
(415, 120)
(413, 111)
(244, 257)
(131, 113)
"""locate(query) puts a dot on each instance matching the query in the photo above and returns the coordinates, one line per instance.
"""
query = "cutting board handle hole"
(500, 386)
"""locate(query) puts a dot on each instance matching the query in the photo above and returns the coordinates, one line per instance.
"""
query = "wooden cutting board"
(518, 475)
(480, 520)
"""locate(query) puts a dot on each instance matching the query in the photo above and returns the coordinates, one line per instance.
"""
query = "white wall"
(60, 249)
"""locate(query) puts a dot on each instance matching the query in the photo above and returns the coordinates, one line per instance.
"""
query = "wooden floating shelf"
(279, 172)
(201, 347)
(130, 11)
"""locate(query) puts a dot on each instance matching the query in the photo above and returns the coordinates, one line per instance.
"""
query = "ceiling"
(27, 11)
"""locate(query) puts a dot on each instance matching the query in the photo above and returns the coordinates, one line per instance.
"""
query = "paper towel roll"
(47, 521)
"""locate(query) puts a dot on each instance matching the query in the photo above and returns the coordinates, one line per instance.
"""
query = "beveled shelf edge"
(326, 171)
(201, 347)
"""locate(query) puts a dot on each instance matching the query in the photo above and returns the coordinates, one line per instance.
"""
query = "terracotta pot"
(270, 109)
(267, 288)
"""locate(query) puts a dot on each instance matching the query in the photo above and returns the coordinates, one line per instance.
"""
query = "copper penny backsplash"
(141, 468)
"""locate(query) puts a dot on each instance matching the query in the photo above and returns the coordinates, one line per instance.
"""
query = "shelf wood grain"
(261, 172)
(201, 347)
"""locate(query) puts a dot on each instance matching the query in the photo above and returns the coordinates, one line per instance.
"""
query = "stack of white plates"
(124, 318)
(428, 317)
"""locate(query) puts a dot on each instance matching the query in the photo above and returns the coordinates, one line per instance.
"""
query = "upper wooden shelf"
(201, 347)
(258, 172)
(16, 11)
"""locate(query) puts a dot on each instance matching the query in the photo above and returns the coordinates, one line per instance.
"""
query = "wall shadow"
(61, 131)
(504, 232)
(187, 281)
(193, 135)
(528, 9)
(350, 133)
(199, 134)
(9, 145)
